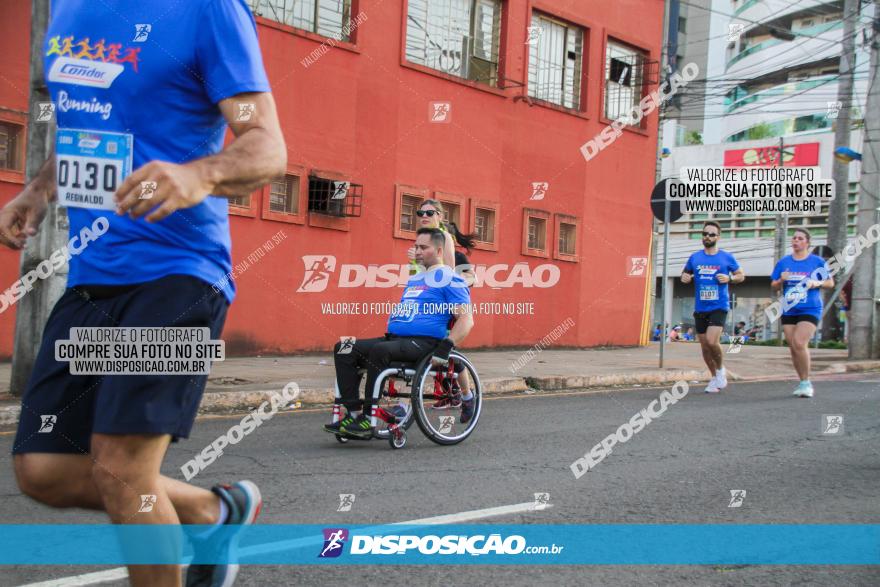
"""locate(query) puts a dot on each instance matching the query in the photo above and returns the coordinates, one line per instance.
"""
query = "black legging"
(374, 354)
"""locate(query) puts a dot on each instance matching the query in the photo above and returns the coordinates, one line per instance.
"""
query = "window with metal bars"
(537, 233)
(451, 212)
(567, 236)
(484, 225)
(330, 18)
(555, 61)
(10, 134)
(284, 195)
(241, 201)
(408, 206)
(624, 82)
(334, 197)
(458, 37)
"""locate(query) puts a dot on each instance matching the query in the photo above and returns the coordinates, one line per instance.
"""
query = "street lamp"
(847, 155)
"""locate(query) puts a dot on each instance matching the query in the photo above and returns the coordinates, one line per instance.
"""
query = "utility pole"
(838, 208)
(781, 231)
(863, 328)
(32, 310)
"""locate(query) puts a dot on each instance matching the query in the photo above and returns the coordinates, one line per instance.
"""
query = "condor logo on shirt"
(708, 269)
(84, 73)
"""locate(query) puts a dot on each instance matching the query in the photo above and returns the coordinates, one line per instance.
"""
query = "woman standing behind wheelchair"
(431, 215)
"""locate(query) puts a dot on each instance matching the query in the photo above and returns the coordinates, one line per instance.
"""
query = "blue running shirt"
(799, 300)
(425, 307)
(145, 78)
(709, 295)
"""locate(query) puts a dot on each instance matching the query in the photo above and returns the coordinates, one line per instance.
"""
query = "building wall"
(358, 112)
(14, 49)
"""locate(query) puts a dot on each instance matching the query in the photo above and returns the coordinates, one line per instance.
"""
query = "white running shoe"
(804, 389)
(712, 387)
(721, 378)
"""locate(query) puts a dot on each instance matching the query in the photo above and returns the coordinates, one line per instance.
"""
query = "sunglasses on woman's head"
(427, 213)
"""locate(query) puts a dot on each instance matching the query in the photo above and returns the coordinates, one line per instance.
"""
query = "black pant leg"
(347, 365)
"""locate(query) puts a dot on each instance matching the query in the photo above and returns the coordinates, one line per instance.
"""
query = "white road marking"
(283, 545)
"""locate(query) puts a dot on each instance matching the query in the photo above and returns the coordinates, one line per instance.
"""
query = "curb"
(226, 402)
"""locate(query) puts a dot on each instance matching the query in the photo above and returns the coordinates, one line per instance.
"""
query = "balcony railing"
(807, 32)
(786, 88)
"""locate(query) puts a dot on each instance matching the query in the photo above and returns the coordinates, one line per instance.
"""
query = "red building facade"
(481, 104)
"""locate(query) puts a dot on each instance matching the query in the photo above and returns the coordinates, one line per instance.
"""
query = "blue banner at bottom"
(613, 544)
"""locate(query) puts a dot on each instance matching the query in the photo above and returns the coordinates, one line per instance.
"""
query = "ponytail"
(464, 240)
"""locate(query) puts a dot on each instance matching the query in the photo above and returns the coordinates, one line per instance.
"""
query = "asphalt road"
(679, 469)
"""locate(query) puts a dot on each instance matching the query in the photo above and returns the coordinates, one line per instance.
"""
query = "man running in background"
(711, 270)
(162, 94)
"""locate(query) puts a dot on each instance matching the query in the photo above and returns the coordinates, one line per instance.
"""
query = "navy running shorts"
(703, 320)
(82, 405)
(793, 320)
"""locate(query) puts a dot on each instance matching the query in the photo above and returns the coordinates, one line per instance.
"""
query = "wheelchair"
(395, 408)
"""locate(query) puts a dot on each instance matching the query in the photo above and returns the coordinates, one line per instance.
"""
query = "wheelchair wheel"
(395, 405)
(434, 399)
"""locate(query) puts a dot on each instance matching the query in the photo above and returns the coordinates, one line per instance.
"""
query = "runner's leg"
(65, 480)
(124, 468)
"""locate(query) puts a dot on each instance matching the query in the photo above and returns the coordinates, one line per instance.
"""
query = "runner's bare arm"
(21, 217)
(256, 156)
(463, 323)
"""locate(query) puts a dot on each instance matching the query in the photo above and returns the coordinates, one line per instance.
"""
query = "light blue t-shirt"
(426, 305)
(153, 73)
(800, 300)
(709, 294)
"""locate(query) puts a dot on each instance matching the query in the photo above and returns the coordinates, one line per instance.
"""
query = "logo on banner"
(334, 540)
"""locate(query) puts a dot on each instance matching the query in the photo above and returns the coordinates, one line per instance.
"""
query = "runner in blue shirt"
(143, 93)
(800, 276)
(711, 270)
(416, 327)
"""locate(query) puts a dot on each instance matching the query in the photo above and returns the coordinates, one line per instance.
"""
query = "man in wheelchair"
(416, 327)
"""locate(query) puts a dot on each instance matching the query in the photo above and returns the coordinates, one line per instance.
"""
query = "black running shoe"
(334, 428)
(359, 428)
(467, 410)
(243, 502)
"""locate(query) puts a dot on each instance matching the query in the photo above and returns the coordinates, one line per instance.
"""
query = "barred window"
(10, 135)
(241, 201)
(329, 18)
(284, 195)
(624, 80)
(555, 61)
(484, 225)
(567, 235)
(408, 206)
(458, 37)
(537, 233)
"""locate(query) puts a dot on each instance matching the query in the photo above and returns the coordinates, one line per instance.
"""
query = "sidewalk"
(238, 384)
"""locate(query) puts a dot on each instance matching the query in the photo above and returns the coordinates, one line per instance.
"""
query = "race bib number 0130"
(90, 166)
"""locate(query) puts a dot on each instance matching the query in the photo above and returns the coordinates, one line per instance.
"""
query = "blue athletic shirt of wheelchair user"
(426, 304)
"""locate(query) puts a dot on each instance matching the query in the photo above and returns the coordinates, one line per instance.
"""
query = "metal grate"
(334, 197)
(537, 233)
(284, 195)
(484, 225)
(408, 206)
(567, 235)
(627, 73)
(9, 134)
(329, 18)
(555, 61)
(458, 37)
